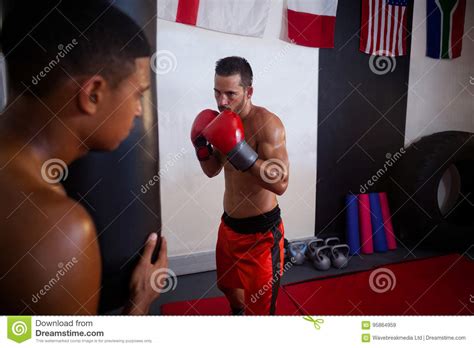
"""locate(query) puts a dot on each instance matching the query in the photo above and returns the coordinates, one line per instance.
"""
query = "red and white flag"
(384, 28)
(312, 22)
(241, 17)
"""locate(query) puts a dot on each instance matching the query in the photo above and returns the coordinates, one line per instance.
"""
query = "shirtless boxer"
(249, 251)
(87, 102)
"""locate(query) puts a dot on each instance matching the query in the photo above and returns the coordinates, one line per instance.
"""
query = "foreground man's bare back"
(44, 229)
(244, 194)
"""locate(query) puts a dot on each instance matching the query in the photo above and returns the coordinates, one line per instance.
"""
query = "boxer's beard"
(241, 106)
(238, 109)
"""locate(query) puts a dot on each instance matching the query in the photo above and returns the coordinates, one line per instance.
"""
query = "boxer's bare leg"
(235, 298)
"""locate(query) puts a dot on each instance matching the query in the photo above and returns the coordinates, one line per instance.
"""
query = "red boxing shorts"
(249, 256)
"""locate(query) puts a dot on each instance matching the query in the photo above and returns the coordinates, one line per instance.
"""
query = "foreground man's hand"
(144, 288)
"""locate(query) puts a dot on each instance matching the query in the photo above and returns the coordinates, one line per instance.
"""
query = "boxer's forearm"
(274, 179)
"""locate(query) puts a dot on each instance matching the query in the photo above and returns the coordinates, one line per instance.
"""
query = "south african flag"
(445, 27)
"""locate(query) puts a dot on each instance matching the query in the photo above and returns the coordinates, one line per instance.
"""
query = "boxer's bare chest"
(253, 127)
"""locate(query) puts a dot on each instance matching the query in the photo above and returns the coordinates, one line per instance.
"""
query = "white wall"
(441, 92)
(285, 81)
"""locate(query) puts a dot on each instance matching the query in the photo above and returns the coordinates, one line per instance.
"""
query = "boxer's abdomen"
(243, 197)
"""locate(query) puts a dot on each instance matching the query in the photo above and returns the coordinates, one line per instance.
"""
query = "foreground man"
(247, 141)
(77, 71)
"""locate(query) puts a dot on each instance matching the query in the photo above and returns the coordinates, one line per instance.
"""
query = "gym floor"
(202, 285)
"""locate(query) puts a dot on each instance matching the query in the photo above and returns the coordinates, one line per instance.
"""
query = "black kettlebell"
(340, 255)
(312, 244)
(332, 241)
(318, 253)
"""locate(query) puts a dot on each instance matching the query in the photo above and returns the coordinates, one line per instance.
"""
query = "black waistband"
(254, 224)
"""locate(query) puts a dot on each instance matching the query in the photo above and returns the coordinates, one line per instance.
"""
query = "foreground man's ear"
(91, 94)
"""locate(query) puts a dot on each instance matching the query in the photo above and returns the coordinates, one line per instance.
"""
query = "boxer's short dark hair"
(47, 42)
(235, 65)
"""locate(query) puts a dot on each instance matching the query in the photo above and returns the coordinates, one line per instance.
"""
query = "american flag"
(397, 2)
(383, 27)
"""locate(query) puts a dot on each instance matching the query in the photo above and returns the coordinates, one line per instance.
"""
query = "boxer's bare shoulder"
(264, 126)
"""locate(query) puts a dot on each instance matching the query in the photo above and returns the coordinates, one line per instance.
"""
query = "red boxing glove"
(202, 146)
(226, 133)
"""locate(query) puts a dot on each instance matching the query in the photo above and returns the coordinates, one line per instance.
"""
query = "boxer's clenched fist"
(226, 133)
(202, 146)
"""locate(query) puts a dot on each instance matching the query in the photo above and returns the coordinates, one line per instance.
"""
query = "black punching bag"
(108, 185)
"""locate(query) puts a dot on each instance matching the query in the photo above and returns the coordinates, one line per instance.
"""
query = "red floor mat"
(434, 286)
(220, 306)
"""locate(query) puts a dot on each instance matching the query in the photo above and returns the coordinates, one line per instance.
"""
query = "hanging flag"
(311, 23)
(248, 18)
(384, 27)
(445, 28)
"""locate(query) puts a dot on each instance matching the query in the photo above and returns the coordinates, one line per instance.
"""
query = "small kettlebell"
(332, 241)
(297, 252)
(340, 255)
(312, 244)
(318, 255)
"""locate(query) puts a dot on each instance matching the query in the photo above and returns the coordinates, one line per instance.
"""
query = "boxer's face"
(230, 94)
(121, 105)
